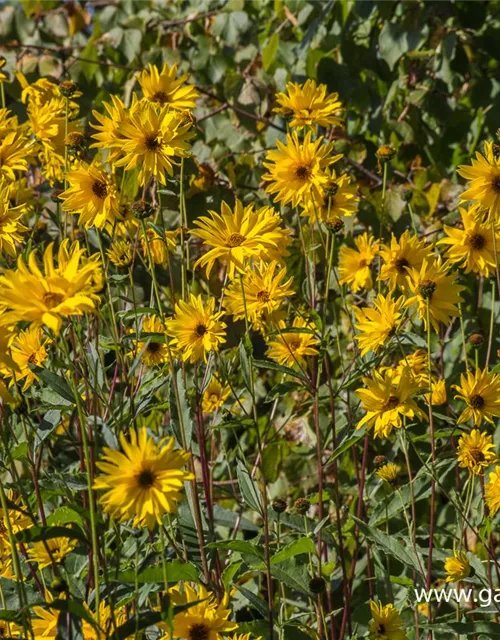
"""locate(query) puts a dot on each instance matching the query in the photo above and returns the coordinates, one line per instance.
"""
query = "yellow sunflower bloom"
(240, 236)
(386, 401)
(309, 105)
(64, 290)
(492, 492)
(386, 623)
(484, 180)
(259, 294)
(340, 199)
(208, 619)
(474, 451)
(26, 348)
(472, 247)
(11, 228)
(92, 193)
(143, 482)
(109, 126)
(298, 170)
(163, 87)
(403, 253)
(214, 396)
(291, 345)
(159, 246)
(152, 352)
(13, 155)
(480, 390)
(120, 254)
(389, 473)
(376, 325)
(354, 264)
(457, 567)
(55, 549)
(196, 328)
(152, 138)
(434, 287)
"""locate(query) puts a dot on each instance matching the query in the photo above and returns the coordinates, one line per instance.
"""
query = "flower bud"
(385, 153)
(279, 505)
(302, 506)
(67, 88)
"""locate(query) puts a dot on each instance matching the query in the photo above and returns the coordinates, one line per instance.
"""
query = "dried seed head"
(302, 506)
(279, 505)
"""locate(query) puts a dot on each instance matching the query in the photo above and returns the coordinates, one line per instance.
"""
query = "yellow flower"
(377, 325)
(3, 78)
(290, 346)
(457, 567)
(10, 225)
(480, 390)
(484, 177)
(158, 246)
(492, 492)
(10, 629)
(28, 295)
(244, 636)
(438, 396)
(298, 170)
(403, 253)
(389, 473)
(26, 348)
(45, 623)
(152, 138)
(340, 199)
(120, 254)
(13, 155)
(474, 453)
(433, 286)
(145, 481)
(239, 236)
(309, 105)
(164, 88)
(108, 129)
(265, 289)
(214, 396)
(196, 328)
(207, 620)
(386, 401)
(472, 247)
(386, 623)
(92, 193)
(152, 352)
(19, 520)
(58, 549)
(43, 91)
(354, 264)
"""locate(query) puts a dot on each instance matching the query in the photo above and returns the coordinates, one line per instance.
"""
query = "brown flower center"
(477, 401)
(477, 241)
(151, 143)
(235, 239)
(477, 455)
(495, 184)
(426, 289)
(381, 628)
(100, 189)
(303, 172)
(263, 296)
(51, 299)
(199, 632)
(362, 263)
(294, 345)
(146, 478)
(160, 96)
(153, 347)
(401, 264)
(200, 330)
(391, 403)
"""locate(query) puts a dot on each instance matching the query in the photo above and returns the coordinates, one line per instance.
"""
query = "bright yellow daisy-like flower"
(240, 236)
(434, 288)
(92, 193)
(64, 290)
(480, 390)
(19, 520)
(309, 105)
(44, 625)
(473, 247)
(196, 329)
(27, 349)
(3, 77)
(10, 629)
(259, 294)
(152, 352)
(474, 451)
(109, 126)
(340, 199)
(11, 228)
(298, 170)
(291, 345)
(159, 246)
(120, 254)
(207, 620)
(152, 139)
(492, 492)
(164, 88)
(389, 473)
(13, 155)
(144, 480)
(376, 325)
(457, 567)
(386, 402)
(403, 253)
(354, 264)
(386, 623)
(55, 549)
(484, 180)
(214, 396)
(244, 636)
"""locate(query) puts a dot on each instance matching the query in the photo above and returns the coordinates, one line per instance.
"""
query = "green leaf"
(49, 423)
(245, 366)
(393, 43)
(56, 383)
(183, 421)
(249, 489)
(131, 43)
(489, 629)
(241, 546)
(295, 548)
(274, 366)
(176, 571)
(270, 50)
(37, 534)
